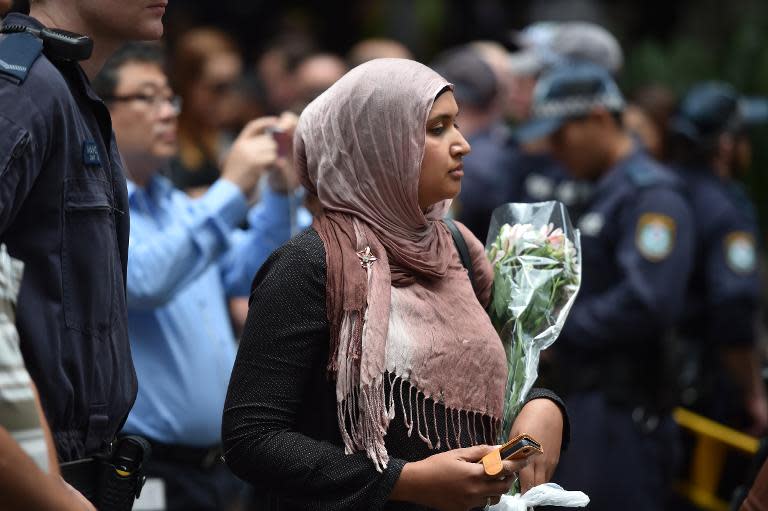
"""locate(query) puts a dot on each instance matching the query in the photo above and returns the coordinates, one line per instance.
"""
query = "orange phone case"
(517, 448)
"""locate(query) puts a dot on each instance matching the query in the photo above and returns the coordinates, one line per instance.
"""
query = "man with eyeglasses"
(185, 258)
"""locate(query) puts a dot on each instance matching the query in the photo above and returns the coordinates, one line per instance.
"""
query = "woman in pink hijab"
(369, 375)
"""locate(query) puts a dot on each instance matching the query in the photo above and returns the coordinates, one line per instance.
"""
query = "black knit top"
(280, 431)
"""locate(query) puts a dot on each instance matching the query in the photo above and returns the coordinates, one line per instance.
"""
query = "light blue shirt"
(185, 257)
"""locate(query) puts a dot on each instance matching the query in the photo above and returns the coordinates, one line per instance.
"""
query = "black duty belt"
(200, 457)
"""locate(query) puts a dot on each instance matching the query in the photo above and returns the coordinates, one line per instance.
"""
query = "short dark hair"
(105, 82)
(474, 82)
(687, 152)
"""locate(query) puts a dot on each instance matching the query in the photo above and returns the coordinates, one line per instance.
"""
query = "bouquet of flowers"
(535, 253)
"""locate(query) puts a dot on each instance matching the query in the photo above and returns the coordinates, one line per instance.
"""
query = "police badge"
(740, 252)
(655, 236)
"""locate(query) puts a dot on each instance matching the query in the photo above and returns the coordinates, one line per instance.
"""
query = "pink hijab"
(410, 314)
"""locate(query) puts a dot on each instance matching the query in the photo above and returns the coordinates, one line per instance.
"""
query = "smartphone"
(520, 447)
(283, 141)
(517, 448)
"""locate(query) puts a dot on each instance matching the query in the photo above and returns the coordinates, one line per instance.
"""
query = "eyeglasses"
(153, 101)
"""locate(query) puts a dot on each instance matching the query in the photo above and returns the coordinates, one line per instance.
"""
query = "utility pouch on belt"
(111, 482)
(122, 477)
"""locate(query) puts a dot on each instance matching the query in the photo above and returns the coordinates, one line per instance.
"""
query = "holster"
(112, 481)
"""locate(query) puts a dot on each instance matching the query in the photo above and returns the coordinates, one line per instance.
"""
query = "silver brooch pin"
(366, 258)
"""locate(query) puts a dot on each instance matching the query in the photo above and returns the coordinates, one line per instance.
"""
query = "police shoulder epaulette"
(18, 51)
(646, 174)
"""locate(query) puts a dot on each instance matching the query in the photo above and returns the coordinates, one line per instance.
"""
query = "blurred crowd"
(199, 127)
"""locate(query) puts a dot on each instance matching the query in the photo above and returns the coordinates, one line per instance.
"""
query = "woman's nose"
(461, 147)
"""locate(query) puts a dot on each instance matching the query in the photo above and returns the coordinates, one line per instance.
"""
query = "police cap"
(711, 108)
(566, 92)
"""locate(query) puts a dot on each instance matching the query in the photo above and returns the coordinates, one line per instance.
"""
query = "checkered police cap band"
(574, 106)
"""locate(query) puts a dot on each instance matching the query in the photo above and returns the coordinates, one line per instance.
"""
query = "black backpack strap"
(461, 246)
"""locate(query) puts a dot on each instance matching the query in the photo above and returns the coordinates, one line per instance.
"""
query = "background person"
(722, 306)
(637, 240)
(205, 69)
(648, 114)
(488, 177)
(377, 48)
(313, 75)
(545, 45)
(186, 257)
(29, 472)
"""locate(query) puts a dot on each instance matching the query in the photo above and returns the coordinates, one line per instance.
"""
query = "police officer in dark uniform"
(64, 213)
(541, 178)
(708, 134)
(538, 176)
(637, 251)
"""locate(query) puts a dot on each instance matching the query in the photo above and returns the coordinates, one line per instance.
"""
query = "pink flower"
(556, 238)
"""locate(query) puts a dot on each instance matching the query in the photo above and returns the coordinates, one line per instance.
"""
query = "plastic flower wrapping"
(536, 258)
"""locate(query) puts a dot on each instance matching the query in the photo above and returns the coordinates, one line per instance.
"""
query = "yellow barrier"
(712, 443)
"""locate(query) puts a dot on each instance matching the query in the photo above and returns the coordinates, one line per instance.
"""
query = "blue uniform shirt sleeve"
(732, 278)
(649, 297)
(269, 226)
(194, 234)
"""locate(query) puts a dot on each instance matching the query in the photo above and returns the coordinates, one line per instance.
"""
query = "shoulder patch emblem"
(740, 252)
(591, 224)
(539, 187)
(655, 236)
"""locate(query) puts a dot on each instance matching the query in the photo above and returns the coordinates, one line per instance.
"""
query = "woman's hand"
(454, 481)
(542, 419)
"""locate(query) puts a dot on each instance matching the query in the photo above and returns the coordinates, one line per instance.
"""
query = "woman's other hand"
(542, 419)
(454, 481)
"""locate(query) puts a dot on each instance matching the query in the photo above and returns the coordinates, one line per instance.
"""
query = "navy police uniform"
(611, 359)
(542, 178)
(724, 292)
(488, 177)
(637, 241)
(64, 213)
(498, 171)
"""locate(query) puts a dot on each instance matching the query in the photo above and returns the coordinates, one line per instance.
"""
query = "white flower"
(506, 238)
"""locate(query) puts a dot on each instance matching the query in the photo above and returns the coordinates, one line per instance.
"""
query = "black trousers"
(617, 463)
(192, 488)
